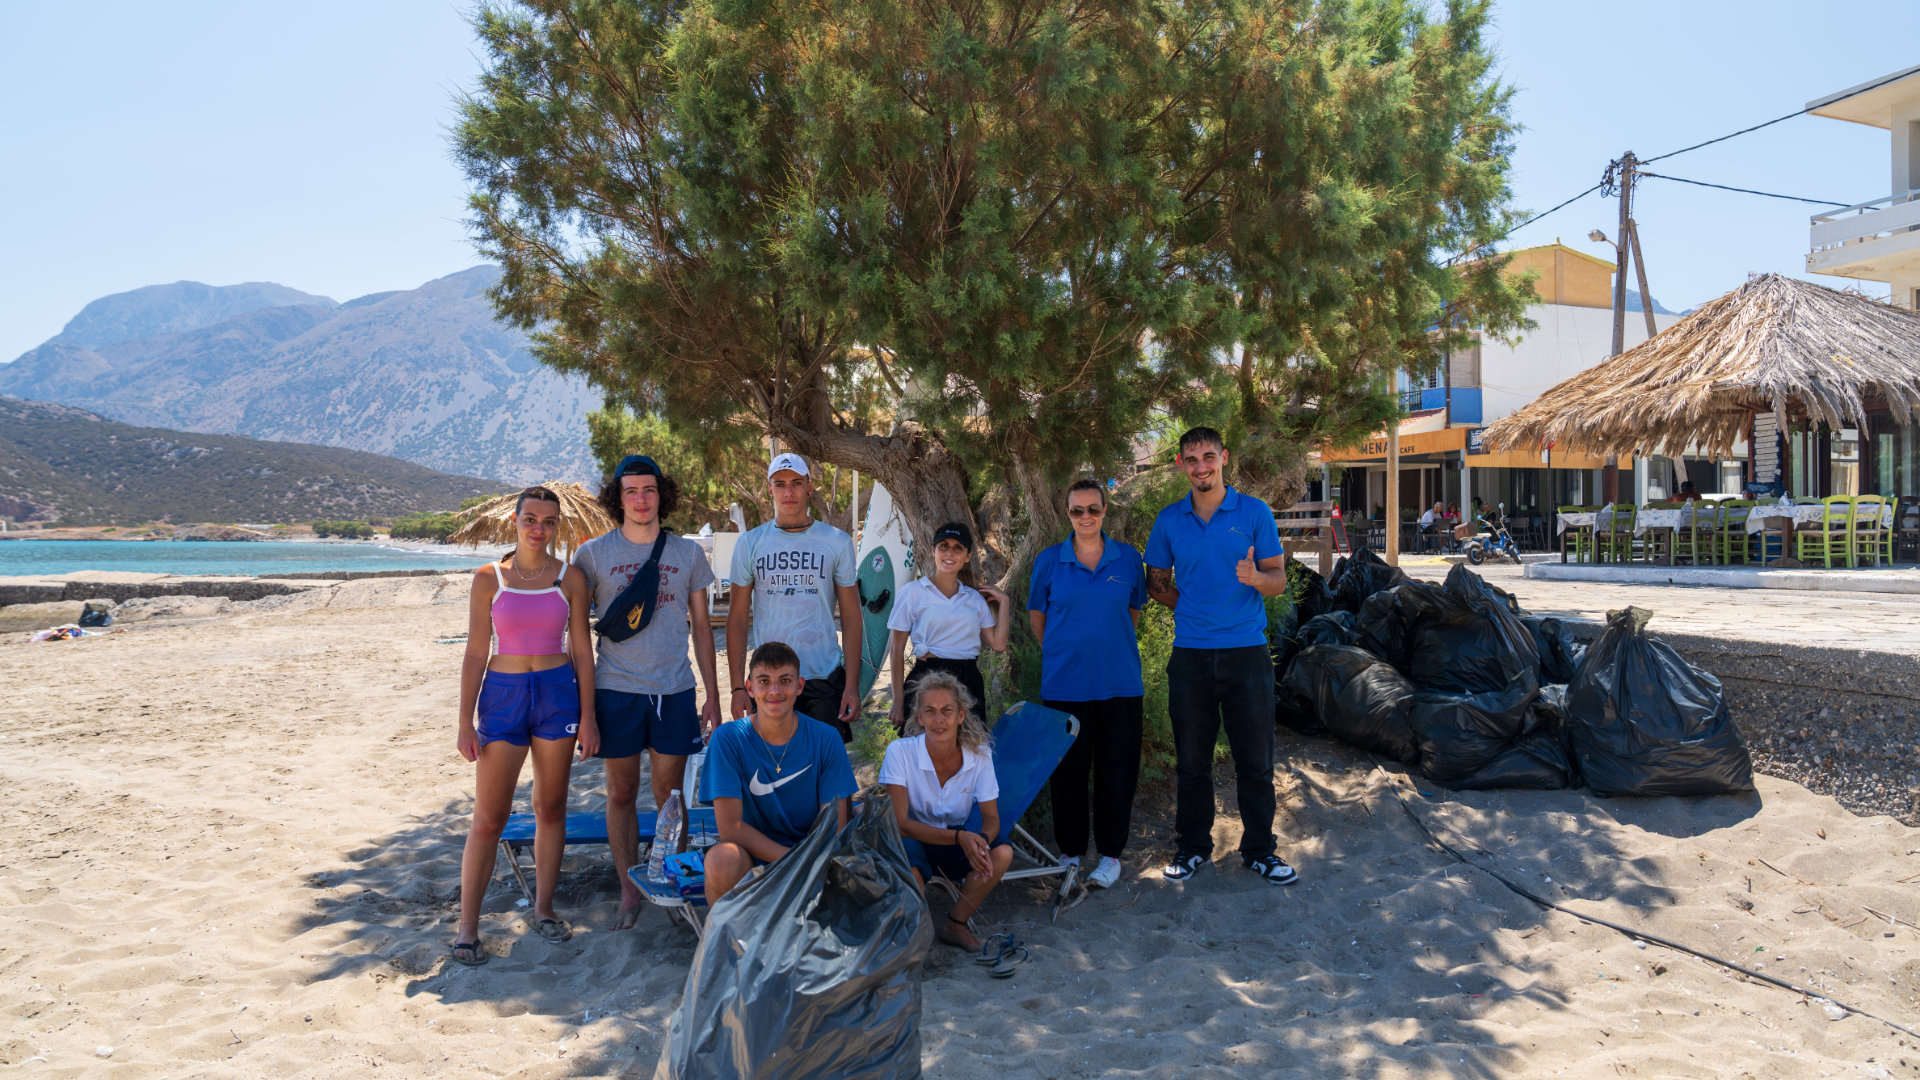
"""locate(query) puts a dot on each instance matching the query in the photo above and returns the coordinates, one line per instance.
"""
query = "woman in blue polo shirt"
(1085, 601)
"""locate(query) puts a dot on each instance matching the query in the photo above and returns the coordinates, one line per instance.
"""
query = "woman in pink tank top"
(531, 697)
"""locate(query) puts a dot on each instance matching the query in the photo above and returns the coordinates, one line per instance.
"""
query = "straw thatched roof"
(491, 522)
(1775, 344)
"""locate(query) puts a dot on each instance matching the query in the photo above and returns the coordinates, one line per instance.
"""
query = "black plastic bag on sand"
(810, 969)
(1499, 608)
(1443, 641)
(1560, 655)
(1360, 576)
(1358, 697)
(1643, 721)
(1311, 599)
(1488, 740)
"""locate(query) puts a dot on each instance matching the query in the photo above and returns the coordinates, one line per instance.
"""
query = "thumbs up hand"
(1246, 571)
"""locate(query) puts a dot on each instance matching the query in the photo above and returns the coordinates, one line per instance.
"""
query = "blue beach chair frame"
(583, 828)
(1028, 742)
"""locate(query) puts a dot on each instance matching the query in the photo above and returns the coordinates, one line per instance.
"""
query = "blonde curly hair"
(973, 734)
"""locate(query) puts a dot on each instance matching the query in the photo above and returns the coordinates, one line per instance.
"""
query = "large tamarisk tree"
(1039, 227)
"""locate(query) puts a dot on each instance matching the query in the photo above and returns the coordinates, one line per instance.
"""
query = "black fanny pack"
(632, 610)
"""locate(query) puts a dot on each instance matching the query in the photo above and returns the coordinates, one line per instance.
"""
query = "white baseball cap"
(789, 462)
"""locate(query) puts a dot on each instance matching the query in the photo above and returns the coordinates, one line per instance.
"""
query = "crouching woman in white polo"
(936, 774)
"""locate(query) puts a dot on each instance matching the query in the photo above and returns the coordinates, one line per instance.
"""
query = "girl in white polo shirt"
(948, 624)
(936, 775)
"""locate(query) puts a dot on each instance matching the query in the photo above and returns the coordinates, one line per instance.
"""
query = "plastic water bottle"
(669, 825)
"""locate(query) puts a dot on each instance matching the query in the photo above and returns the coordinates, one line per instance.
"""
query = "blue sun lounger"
(1028, 742)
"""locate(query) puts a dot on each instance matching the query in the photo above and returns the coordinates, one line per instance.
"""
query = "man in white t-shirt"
(787, 576)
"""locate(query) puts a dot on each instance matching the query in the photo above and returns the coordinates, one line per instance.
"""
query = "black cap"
(956, 532)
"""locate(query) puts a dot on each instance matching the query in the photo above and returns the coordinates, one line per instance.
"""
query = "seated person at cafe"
(1432, 520)
(1688, 491)
(936, 774)
(769, 773)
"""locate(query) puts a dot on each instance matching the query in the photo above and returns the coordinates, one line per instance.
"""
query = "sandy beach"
(229, 848)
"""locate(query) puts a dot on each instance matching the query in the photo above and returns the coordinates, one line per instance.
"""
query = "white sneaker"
(1070, 860)
(1106, 874)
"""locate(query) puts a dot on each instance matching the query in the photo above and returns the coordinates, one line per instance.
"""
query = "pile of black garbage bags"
(1459, 683)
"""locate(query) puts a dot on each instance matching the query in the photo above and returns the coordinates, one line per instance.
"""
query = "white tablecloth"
(1681, 517)
(1809, 514)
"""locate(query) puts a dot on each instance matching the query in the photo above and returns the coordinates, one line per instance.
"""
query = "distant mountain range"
(59, 463)
(422, 374)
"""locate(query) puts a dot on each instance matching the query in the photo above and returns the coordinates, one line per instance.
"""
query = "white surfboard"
(886, 564)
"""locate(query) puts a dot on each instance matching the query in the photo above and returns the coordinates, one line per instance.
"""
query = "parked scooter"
(1494, 542)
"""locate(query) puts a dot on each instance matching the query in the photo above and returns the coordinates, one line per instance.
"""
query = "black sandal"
(475, 955)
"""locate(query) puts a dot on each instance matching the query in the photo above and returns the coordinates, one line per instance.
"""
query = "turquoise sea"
(256, 559)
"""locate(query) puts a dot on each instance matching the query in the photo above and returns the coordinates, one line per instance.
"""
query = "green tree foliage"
(424, 527)
(1037, 225)
(346, 530)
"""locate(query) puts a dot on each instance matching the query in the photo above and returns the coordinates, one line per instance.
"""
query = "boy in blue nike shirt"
(769, 773)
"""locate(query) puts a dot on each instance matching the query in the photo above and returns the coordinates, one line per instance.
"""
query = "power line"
(1743, 191)
(1799, 112)
(1523, 224)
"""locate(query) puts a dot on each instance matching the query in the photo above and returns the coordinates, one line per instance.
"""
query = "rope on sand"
(1640, 935)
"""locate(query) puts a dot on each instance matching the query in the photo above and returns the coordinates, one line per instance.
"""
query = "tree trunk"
(924, 478)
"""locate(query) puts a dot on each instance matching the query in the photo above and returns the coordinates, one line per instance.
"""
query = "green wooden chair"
(1831, 537)
(1890, 520)
(1699, 541)
(1614, 540)
(1870, 533)
(1579, 538)
(1734, 541)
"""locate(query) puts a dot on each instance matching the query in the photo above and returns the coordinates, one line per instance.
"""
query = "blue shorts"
(663, 723)
(517, 706)
(945, 859)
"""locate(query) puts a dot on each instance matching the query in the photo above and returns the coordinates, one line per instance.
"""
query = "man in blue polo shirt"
(1213, 558)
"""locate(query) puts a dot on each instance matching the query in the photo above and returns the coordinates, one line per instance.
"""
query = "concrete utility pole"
(1620, 176)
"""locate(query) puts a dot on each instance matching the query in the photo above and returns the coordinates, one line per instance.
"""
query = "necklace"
(779, 764)
(513, 562)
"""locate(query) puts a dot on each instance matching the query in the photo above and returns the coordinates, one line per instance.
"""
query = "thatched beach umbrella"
(1775, 344)
(491, 522)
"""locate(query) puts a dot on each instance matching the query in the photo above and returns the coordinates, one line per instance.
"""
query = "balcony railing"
(1835, 229)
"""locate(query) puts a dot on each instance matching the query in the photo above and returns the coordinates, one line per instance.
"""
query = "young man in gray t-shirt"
(788, 575)
(643, 686)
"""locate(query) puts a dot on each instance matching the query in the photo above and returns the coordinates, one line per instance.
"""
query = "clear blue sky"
(306, 143)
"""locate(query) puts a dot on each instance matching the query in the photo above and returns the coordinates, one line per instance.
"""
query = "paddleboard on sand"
(886, 564)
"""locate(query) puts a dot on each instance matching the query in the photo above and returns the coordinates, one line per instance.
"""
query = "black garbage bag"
(97, 613)
(1500, 609)
(1444, 642)
(1643, 721)
(1560, 654)
(1290, 710)
(1486, 740)
(1360, 576)
(1358, 698)
(809, 970)
(1333, 628)
(1308, 591)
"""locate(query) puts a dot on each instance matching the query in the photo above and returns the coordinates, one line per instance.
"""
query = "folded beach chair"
(585, 828)
(1028, 742)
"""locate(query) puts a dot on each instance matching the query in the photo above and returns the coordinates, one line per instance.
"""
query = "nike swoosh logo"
(760, 787)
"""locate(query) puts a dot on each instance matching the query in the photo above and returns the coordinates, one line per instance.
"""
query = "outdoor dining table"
(1674, 518)
(1785, 519)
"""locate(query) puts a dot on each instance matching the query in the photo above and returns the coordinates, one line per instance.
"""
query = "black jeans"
(820, 699)
(967, 671)
(1108, 746)
(1207, 688)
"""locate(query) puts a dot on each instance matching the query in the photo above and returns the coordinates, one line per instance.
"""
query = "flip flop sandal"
(552, 930)
(474, 954)
(995, 947)
(1009, 960)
